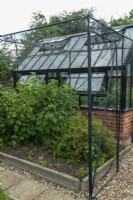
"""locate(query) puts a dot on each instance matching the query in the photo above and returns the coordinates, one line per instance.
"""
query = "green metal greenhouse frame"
(90, 62)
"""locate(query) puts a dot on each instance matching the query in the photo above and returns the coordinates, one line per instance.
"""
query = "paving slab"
(26, 190)
(9, 178)
(130, 197)
(2, 169)
(54, 176)
(52, 194)
(131, 193)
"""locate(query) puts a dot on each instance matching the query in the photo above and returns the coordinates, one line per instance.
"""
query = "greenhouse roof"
(71, 51)
(67, 57)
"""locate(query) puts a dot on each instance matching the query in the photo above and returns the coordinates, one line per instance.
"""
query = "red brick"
(110, 120)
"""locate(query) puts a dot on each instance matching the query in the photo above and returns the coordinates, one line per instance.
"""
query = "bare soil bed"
(40, 155)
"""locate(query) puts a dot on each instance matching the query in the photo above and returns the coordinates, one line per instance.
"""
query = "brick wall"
(126, 118)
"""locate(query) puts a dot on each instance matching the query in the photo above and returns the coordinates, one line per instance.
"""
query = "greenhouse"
(65, 59)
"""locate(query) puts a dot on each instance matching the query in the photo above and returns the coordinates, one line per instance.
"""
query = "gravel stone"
(122, 183)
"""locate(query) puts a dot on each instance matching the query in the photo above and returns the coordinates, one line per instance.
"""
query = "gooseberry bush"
(49, 116)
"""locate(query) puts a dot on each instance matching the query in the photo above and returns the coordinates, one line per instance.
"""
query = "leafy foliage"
(47, 115)
(7, 100)
(30, 155)
(36, 111)
(72, 149)
(5, 65)
(82, 172)
(125, 20)
(43, 163)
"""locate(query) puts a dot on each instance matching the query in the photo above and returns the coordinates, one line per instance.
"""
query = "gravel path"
(117, 189)
(122, 183)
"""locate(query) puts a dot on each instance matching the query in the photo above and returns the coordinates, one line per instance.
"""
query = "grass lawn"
(3, 196)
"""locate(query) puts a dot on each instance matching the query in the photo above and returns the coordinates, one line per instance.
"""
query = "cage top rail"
(67, 21)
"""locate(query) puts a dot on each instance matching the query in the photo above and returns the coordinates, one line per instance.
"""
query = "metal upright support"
(89, 108)
(117, 115)
(69, 70)
(123, 80)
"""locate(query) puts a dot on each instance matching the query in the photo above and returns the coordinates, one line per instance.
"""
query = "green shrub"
(74, 140)
(7, 102)
(82, 172)
(1, 142)
(36, 112)
(47, 115)
(43, 163)
(30, 156)
(6, 66)
(73, 145)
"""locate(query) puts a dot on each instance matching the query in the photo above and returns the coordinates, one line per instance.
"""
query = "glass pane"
(48, 61)
(41, 76)
(39, 62)
(83, 100)
(80, 43)
(80, 59)
(72, 79)
(128, 93)
(65, 63)
(128, 87)
(111, 100)
(70, 58)
(97, 80)
(114, 73)
(71, 43)
(104, 58)
(23, 79)
(58, 61)
(128, 33)
(56, 43)
(32, 62)
(80, 82)
(23, 65)
(31, 77)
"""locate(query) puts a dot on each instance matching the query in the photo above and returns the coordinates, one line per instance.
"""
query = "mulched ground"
(39, 155)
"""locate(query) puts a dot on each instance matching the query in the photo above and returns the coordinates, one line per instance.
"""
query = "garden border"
(56, 177)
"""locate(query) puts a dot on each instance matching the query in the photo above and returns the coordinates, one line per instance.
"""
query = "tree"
(74, 26)
(131, 14)
(39, 20)
(6, 62)
(127, 19)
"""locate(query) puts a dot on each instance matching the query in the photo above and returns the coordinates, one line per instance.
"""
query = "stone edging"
(61, 179)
